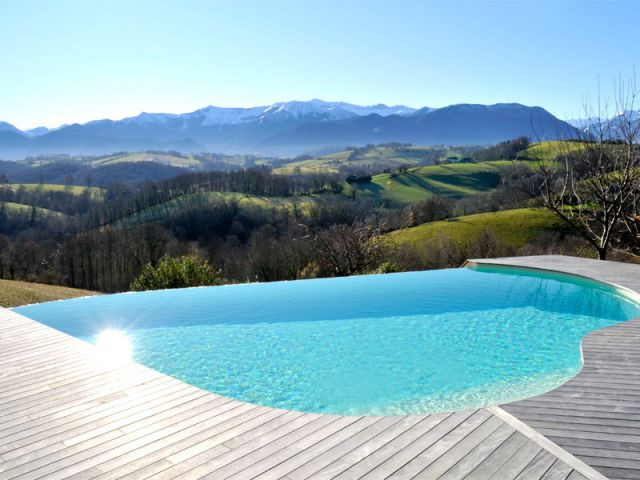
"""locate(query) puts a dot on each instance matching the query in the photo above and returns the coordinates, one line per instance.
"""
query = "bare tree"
(348, 249)
(594, 181)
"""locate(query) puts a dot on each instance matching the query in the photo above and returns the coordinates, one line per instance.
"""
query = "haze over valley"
(288, 129)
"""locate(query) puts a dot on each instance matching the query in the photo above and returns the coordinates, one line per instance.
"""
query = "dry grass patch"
(15, 293)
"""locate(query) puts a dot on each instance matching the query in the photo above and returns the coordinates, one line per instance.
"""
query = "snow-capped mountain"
(281, 111)
(608, 127)
(285, 128)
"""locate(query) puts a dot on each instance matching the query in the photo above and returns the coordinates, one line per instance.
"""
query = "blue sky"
(67, 61)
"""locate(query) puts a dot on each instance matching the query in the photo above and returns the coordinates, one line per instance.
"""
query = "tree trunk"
(602, 253)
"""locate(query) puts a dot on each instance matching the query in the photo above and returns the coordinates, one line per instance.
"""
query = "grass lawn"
(513, 227)
(16, 293)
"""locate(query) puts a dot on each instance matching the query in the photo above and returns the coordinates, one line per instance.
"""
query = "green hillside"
(371, 158)
(514, 228)
(550, 150)
(456, 180)
(96, 193)
(197, 200)
(173, 159)
(163, 158)
(19, 209)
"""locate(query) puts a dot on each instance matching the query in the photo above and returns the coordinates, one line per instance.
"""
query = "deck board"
(64, 416)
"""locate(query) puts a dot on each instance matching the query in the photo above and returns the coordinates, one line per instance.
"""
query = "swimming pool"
(406, 343)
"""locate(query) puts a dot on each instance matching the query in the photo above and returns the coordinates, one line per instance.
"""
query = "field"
(515, 228)
(549, 150)
(15, 293)
(165, 210)
(374, 158)
(163, 158)
(190, 162)
(19, 209)
(456, 180)
(96, 193)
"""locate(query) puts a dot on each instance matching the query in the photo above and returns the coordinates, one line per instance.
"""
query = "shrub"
(388, 267)
(177, 272)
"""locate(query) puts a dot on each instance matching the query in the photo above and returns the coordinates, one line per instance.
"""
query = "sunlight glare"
(113, 348)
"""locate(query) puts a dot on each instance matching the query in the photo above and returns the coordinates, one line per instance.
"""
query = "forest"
(257, 224)
(250, 224)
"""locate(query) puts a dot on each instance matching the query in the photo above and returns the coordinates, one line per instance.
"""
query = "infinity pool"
(406, 343)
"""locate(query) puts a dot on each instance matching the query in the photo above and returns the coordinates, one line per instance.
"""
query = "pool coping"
(27, 387)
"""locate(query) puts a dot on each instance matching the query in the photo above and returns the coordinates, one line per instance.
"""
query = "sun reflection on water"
(113, 348)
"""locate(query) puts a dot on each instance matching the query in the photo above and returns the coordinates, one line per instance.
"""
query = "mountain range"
(287, 129)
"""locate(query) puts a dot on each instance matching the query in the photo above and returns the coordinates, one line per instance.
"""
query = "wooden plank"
(558, 471)
(460, 450)
(331, 455)
(100, 415)
(296, 461)
(407, 454)
(126, 455)
(498, 457)
(422, 461)
(184, 455)
(66, 448)
(257, 467)
(537, 467)
(479, 454)
(85, 454)
(518, 462)
(271, 432)
(340, 465)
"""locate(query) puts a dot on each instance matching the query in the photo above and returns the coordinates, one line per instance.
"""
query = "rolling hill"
(95, 192)
(550, 150)
(180, 204)
(456, 180)
(375, 158)
(515, 228)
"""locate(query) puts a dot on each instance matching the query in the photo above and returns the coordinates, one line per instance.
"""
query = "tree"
(593, 184)
(180, 272)
(347, 249)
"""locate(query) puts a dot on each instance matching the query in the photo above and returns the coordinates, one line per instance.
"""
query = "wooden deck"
(63, 415)
(596, 415)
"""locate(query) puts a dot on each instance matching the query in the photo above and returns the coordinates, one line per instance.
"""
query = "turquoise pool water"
(406, 343)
